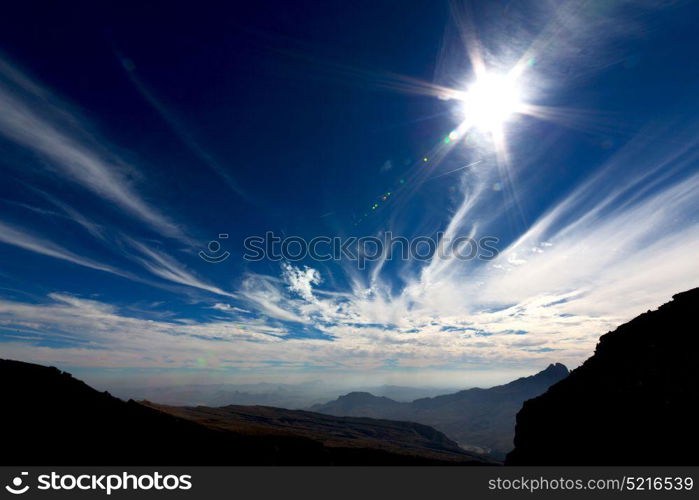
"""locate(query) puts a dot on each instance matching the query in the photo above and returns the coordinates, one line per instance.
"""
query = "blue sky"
(133, 136)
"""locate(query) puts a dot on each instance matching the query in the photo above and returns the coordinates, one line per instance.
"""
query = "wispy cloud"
(32, 118)
(96, 230)
(33, 243)
(94, 333)
(157, 263)
(166, 267)
(623, 242)
(179, 129)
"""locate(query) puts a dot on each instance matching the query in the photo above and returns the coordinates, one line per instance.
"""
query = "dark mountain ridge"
(480, 419)
(333, 432)
(634, 402)
(50, 418)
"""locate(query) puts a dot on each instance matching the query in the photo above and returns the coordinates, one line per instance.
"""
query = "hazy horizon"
(299, 392)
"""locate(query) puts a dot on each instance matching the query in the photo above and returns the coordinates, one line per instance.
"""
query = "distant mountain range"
(482, 420)
(394, 437)
(49, 417)
(294, 396)
(634, 402)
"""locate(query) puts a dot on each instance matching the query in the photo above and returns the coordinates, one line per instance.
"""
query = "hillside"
(634, 402)
(400, 438)
(51, 418)
(478, 419)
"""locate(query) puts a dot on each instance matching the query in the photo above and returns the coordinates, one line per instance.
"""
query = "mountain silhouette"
(479, 419)
(335, 432)
(634, 402)
(51, 418)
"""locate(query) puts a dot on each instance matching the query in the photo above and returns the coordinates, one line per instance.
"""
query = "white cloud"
(29, 118)
(301, 281)
(623, 242)
(167, 268)
(19, 238)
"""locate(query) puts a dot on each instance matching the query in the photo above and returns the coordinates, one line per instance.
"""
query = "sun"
(490, 101)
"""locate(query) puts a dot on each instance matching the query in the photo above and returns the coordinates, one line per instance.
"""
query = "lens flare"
(491, 101)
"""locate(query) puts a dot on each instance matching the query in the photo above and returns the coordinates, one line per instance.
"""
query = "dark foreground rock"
(50, 418)
(634, 402)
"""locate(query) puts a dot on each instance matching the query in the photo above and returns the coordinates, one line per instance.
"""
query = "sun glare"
(490, 102)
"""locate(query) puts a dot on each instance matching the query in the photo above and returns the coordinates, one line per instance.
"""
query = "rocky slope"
(634, 402)
(395, 437)
(50, 418)
(479, 419)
